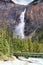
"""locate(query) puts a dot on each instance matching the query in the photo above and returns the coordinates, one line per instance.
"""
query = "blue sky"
(22, 2)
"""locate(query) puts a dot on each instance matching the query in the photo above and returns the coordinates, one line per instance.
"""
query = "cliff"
(34, 17)
(10, 13)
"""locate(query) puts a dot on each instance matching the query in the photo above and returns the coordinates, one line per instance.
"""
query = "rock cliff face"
(34, 17)
(10, 12)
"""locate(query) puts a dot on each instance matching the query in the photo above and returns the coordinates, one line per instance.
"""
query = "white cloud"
(22, 2)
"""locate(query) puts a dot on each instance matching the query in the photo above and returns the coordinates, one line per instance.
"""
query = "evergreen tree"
(3, 39)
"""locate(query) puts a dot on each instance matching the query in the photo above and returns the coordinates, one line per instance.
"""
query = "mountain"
(10, 13)
(34, 16)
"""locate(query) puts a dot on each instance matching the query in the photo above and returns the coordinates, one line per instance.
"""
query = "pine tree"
(3, 39)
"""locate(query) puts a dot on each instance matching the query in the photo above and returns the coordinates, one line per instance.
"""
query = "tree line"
(10, 44)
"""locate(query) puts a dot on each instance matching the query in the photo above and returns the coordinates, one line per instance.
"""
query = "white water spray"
(19, 29)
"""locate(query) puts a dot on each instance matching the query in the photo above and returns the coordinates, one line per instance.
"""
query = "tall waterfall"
(19, 29)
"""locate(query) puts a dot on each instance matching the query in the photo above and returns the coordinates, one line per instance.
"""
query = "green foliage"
(5, 40)
(38, 36)
(10, 44)
(20, 45)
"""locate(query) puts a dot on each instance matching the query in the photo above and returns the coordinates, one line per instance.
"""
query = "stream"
(39, 61)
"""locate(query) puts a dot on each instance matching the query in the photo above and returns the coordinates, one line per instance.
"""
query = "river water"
(19, 62)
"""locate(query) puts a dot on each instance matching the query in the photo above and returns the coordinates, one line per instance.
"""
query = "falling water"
(19, 29)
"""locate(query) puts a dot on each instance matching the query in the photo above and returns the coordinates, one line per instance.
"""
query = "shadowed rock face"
(34, 17)
(10, 13)
(6, 0)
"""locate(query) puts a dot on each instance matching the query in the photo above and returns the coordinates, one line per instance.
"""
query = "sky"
(22, 2)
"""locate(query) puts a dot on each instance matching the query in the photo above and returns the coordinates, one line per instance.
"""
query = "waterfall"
(19, 29)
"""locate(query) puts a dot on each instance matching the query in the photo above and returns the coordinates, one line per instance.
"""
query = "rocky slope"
(10, 13)
(34, 16)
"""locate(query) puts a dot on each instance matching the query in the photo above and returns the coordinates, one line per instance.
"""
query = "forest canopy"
(10, 44)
